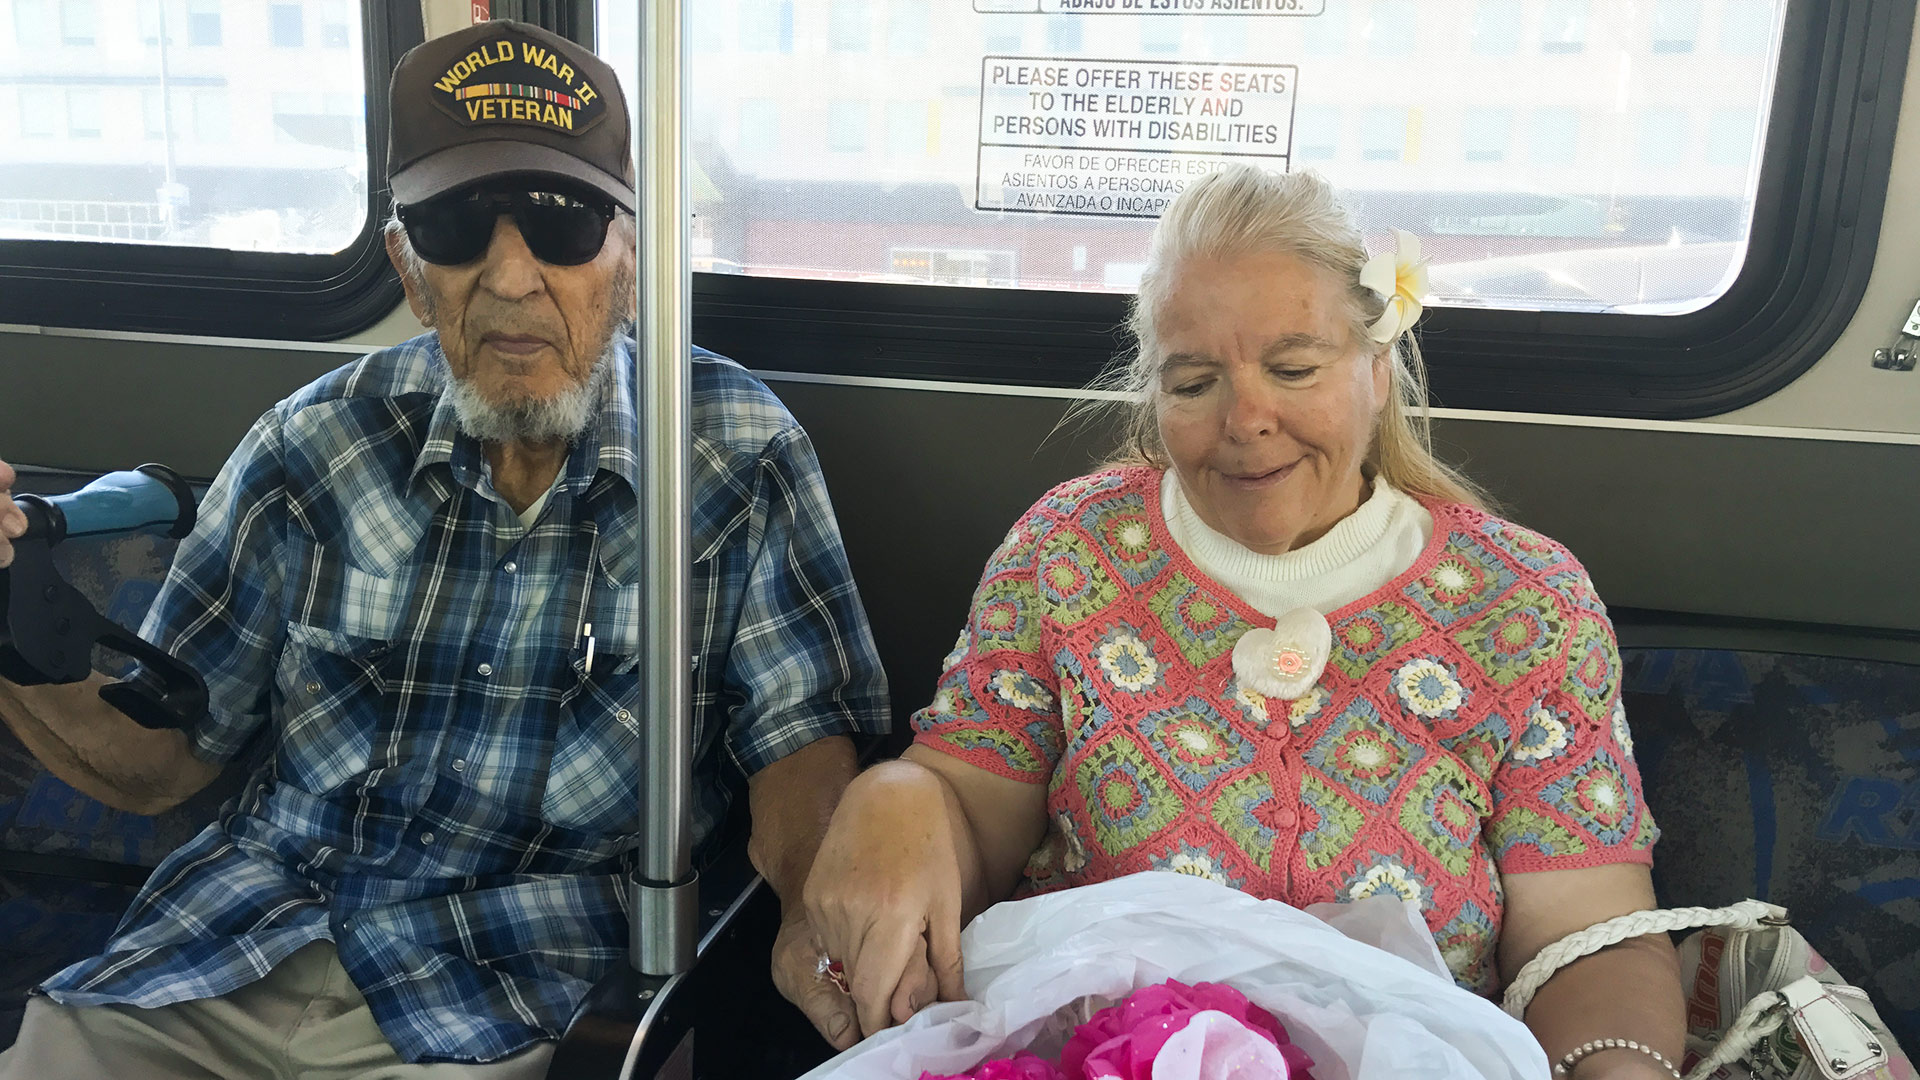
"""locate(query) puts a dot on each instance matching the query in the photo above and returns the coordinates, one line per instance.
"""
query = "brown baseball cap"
(503, 99)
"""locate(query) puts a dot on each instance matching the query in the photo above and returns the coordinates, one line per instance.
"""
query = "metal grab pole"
(664, 892)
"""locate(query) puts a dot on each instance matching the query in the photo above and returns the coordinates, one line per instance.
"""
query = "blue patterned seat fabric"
(1796, 780)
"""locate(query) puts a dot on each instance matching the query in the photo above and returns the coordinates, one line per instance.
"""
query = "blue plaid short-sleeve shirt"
(450, 792)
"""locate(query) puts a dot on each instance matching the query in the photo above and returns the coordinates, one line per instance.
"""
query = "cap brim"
(477, 162)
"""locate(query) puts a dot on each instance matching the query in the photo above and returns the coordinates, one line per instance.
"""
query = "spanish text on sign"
(1122, 136)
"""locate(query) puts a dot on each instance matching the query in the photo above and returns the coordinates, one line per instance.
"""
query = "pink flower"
(1122, 1041)
(1021, 1066)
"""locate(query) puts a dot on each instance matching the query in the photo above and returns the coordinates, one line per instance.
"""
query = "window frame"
(1815, 231)
(101, 285)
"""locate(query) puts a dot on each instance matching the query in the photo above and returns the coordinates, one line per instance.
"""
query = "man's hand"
(12, 521)
(796, 959)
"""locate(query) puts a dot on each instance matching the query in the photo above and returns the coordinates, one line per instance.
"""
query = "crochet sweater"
(1468, 724)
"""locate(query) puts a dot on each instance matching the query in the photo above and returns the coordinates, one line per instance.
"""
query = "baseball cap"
(501, 99)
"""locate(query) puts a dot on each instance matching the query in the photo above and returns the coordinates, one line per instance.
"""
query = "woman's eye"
(1191, 390)
(1292, 374)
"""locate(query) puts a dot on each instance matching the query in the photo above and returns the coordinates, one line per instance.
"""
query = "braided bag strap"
(1745, 915)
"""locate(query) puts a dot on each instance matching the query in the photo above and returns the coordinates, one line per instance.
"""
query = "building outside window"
(759, 127)
(1003, 34)
(1063, 34)
(1676, 23)
(847, 125)
(76, 22)
(203, 23)
(1563, 26)
(1496, 28)
(42, 112)
(1326, 33)
(766, 26)
(210, 119)
(1486, 132)
(907, 27)
(83, 114)
(1663, 137)
(1316, 133)
(153, 119)
(1556, 135)
(706, 25)
(847, 25)
(1383, 134)
(1161, 36)
(286, 26)
(1392, 29)
(1730, 136)
(33, 27)
(334, 31)
(907, 130)
(1746, 27)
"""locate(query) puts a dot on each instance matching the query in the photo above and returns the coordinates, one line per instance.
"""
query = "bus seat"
(1793, 779)
(69, 865)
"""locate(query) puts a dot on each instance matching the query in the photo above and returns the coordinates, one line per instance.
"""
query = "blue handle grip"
(127, 502)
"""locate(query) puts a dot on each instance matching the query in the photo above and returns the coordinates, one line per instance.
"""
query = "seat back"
(1792, 778)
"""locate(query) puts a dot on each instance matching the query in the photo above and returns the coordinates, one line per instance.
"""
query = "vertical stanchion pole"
(665, 895)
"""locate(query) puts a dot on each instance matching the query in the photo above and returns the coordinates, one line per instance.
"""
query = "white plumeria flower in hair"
(1399, 275)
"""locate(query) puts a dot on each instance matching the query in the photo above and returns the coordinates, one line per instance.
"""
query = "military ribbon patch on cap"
(514, 81)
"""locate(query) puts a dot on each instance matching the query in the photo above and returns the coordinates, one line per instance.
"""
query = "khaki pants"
(305, 1020)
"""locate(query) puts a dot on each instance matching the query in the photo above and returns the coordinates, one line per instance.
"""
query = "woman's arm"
(1630, 991)
(917, 847)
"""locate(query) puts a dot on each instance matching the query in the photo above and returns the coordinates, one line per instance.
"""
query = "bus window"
(188, 123)
(1552, 155)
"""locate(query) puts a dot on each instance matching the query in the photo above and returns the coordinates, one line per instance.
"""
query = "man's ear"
(396, 255)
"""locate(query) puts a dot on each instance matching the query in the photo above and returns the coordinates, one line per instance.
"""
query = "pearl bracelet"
(1565, 1068)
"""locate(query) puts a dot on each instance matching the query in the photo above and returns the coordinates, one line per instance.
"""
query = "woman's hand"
(885, 893)
(12, 521)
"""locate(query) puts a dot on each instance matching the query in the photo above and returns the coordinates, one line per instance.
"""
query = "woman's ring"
(834, 972)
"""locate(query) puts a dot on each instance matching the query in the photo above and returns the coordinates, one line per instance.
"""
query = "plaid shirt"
(451, 793)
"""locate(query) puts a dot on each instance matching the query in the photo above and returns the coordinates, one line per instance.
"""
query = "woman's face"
(1266, 400)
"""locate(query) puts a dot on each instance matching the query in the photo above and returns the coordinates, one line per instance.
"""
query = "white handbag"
(1761, 1003)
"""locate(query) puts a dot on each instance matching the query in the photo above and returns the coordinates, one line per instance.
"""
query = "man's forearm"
(99, 752)
(792, 801)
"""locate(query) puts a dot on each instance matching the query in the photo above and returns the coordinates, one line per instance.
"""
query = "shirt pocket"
(332, 694)
(593, 781)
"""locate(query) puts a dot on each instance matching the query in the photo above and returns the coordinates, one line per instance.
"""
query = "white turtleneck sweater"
(1362, 552)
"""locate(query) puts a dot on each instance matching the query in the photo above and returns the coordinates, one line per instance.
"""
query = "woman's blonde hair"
(1242, 210)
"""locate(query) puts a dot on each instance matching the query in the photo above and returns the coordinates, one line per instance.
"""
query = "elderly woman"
(1279, 646)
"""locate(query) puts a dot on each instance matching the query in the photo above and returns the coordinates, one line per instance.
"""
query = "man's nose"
(509, 269)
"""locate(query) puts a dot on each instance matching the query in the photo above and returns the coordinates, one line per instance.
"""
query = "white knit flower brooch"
(1286, 661)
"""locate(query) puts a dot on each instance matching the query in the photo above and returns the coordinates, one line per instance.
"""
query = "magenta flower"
(1123, 1040)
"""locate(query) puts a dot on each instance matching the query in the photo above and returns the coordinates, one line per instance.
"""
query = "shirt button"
(313, 688)
(1285, 819)
(623, 716)
(484, 670)
(509, 566)
(459, 764)
(426, 838)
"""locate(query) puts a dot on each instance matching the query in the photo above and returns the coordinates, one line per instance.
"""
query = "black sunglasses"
(560, 229)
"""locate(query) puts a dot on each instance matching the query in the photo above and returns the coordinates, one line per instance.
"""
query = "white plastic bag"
(1362, 1013)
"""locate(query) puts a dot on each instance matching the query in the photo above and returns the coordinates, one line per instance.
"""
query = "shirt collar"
(610, 448)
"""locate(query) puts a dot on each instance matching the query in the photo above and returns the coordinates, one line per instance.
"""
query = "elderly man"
(416, 582)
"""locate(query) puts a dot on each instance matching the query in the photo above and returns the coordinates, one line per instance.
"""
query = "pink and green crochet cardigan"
(1468, 724)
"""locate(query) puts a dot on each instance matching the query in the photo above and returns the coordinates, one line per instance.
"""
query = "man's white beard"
(565, 415)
